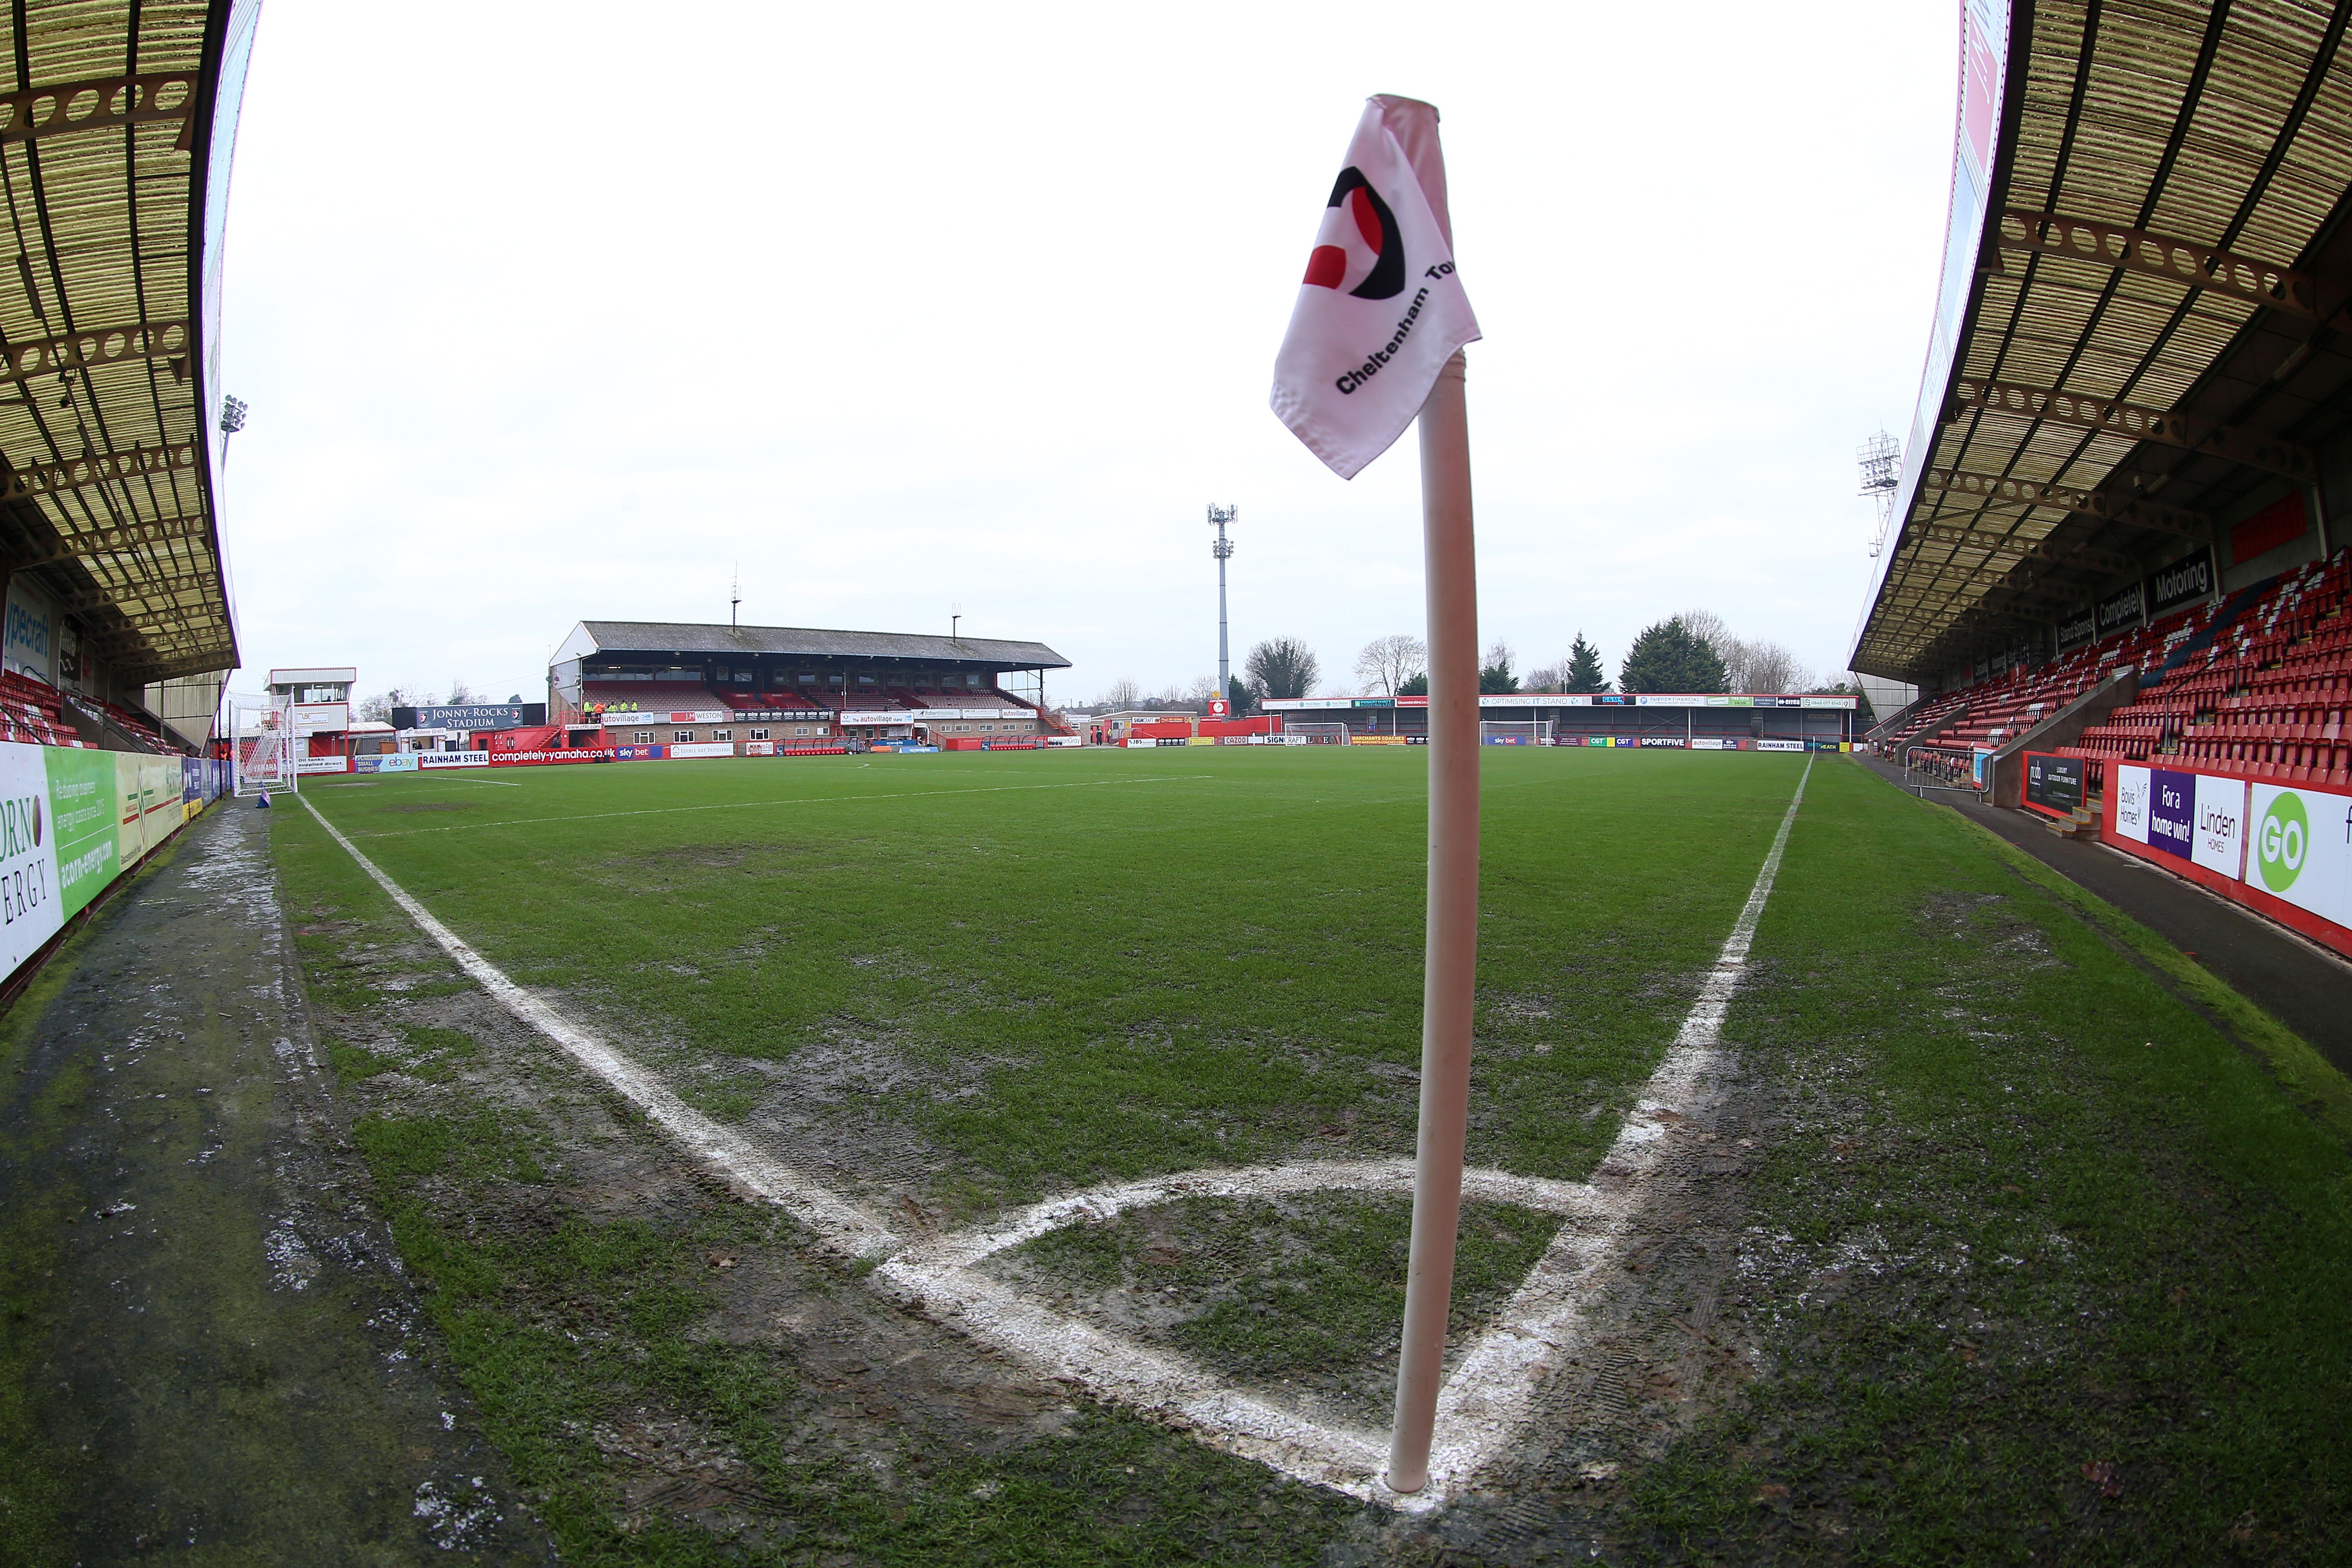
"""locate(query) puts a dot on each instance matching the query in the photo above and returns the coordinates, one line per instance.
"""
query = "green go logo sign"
(2282, 842)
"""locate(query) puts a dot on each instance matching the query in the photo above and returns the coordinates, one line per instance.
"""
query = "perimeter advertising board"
(2300, 850)
(72, 820)
(2054, 784)
(2283, 848)
(2197, 817)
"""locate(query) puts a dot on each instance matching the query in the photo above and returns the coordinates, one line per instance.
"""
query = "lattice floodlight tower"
(1222, 549)
(262, 741)
(1881, 475)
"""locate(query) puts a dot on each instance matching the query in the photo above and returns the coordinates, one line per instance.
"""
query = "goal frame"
(1320, 734)
(270, 762)
(1515, 732)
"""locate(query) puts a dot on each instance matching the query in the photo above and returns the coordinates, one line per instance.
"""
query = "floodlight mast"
(1222, 549)
(1881, 475)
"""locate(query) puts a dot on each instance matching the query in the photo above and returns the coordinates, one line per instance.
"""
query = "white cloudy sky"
(562, 310)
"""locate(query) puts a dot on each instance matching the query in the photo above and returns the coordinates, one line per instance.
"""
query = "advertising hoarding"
(429, 761)
(2078, 630)
(2121, 609)
(2054, 784)
(469, 716)
(2184, 582)
(2300, 848)
(702, 749)
(30, 632)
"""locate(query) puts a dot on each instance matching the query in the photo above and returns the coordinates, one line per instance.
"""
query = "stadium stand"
(33, 713)
(109, 539)
(2261, 689)
(875, 685)
(650, 696)
(2256, 682)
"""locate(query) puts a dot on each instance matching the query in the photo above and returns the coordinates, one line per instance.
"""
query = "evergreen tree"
(1584, 672)
(1237, 692)
(1668, 656)
(1414, 685)
(1282, 666)
(1495, 676)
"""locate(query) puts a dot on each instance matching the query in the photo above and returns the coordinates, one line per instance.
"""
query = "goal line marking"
(1484, 1405)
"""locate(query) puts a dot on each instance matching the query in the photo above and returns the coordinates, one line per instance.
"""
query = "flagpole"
(1451, 965)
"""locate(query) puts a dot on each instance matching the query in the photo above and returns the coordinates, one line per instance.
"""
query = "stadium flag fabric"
(1382, 308)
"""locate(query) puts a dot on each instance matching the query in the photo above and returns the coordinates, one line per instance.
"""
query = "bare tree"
(1769, 667)
(1203, 687)
(461, 694)
(1388, 662)
(1548, 678)
(1709, 629)
(1122, 694)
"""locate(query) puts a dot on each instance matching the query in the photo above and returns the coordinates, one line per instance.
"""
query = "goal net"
(1515, 732)
(264, 743)
(1317, 734)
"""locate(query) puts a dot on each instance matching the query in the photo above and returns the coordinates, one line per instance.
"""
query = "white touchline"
(1485, 1402)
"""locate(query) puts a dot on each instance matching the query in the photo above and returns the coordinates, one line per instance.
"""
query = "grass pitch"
(2026, 1254)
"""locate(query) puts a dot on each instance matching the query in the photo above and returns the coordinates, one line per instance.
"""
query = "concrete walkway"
(2306, 989)
(209, 1352)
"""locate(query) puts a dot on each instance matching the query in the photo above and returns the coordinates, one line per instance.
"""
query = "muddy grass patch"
(1301, 1297)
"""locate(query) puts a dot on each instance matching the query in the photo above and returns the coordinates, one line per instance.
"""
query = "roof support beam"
(141, 589)
(130, 536)
(2207, 267)
(1941, 576)
(2023, 549)
(97, 468)
(2000, 488)
(99, 102)
(2135, 423)
(82, 350)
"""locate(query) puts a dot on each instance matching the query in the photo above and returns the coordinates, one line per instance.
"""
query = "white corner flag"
(1380, 309)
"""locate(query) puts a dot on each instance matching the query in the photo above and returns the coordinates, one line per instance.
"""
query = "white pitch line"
(723, 1150)
(1482, 1406)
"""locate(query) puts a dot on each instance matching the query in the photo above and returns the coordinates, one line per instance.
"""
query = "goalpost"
(261, 738)
(1317, 734)
(1515, 732)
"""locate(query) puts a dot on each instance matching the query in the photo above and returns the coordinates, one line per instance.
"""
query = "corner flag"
(1380, 309)
(1375, 342)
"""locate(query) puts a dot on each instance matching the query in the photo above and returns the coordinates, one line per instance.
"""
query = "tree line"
(1695, 651)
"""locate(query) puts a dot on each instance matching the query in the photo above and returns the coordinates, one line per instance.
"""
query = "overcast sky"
(548, 312)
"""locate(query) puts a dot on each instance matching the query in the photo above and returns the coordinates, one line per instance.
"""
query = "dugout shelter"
(672, 682)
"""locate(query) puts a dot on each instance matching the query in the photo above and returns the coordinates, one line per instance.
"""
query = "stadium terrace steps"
(2259, 684)
(33, 714)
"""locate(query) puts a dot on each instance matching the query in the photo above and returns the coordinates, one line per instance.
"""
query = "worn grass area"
(2047, 1254)
(1305, 1292)
(2045, 1267)
(1060, 968)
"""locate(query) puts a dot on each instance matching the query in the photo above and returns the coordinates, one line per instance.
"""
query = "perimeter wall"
(2284, 850)
(73, 821)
